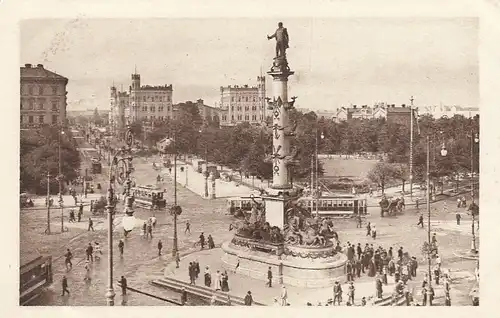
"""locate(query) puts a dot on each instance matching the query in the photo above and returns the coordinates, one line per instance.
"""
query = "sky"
(337, 61)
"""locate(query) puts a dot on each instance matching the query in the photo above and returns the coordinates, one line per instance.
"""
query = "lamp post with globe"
(474, 209)
(444, 153)
(119, 171)
(322, 136)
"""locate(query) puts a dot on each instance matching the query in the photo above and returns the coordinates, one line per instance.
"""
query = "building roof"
(39, 72)
(398, 110)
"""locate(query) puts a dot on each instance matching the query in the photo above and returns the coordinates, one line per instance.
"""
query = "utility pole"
(411, 148)
(48, 202)
(428, 199)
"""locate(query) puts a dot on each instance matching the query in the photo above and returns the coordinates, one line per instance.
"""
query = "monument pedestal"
(308, 267)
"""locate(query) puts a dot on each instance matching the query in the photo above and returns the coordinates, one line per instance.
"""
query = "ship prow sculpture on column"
(280, 233)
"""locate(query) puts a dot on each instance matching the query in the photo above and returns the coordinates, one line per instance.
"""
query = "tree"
(40, 154)
(381, 173)
(401, 172)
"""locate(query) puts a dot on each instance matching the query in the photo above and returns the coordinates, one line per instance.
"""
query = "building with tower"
(43, 97)
(245, 103)
(141, 103)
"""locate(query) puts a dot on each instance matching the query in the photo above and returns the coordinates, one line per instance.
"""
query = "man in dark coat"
(121, 245)
(90, 252)
(202, 240)
(359, 250)
(91, 225)
(248, 299)
(420, 220)
(160, 246)
(378, 287)
(65, 286)
(337, 293)
(269, 277)
(123, 283)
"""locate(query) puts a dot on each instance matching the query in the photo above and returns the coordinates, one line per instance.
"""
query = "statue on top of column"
(281, 36)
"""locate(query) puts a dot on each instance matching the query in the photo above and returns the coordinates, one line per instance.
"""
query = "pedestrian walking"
(350, 293)
(417, 203)
(91, 225)
(149, 228)
(208, 277)
(337, 293)
(378, 287)
(153, 221)
(436, 274)
(217, 281)
(72, 216)
(368, 229)
(434, 239)
(421, 221)
(248, 299)
(123, 284)
(183, 296)
(67, 259)
(284, 295)
(210, 242)
(121, 245)
(269, 277)
(64, 285)
(145, 230)
(177, 259)
(90, 252)
(160, 246)
(458, 217)
(87, 271)
(374, 231)
(359, 220)
(188, 227)
(202, 240)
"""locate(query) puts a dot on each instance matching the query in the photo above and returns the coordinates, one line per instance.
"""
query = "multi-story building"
(149, 103)
(205, 111)
(243, 103)
(449, 111)
(141, 103)
(43, 97)
(400, 115)
(119, 101)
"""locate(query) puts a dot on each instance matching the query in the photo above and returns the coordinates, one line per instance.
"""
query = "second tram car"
(35, 275)
(149, 196)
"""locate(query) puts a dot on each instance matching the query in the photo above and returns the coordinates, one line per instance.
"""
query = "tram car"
(336, 206)
(240, 206)
(149, 197)
(35, 276)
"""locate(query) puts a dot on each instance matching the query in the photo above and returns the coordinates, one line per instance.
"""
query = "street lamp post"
(444, 152)
(317, 172)
(122, 164)
(60, 183)
(175, 209)
(48, 202)
(205, 173)
(474, 138)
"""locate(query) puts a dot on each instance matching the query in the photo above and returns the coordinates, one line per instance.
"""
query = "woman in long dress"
(208, 277)
(225, 282)
(372, 270)
(217, 281)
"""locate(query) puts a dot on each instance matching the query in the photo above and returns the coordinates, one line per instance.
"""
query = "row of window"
(40, 119)
(40, 104)
(246, 99)
(39, 90)
(247, 108)
(151, 98)
(240, 117)
(151, 109)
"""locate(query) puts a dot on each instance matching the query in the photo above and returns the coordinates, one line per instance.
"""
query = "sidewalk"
(297, 296)
(196, 182)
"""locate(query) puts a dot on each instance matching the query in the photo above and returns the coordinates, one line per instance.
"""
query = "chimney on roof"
(39, 65)
(27, 65)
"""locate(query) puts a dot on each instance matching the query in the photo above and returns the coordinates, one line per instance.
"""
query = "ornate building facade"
(141, 103)
(43, 97)
(245, 103)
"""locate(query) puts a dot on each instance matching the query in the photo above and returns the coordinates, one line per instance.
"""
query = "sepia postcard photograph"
(260, 160)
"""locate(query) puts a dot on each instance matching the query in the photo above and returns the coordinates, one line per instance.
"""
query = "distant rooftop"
(39, 72)
(160, 87)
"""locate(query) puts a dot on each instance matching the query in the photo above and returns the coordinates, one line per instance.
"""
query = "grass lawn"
(355, 169)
